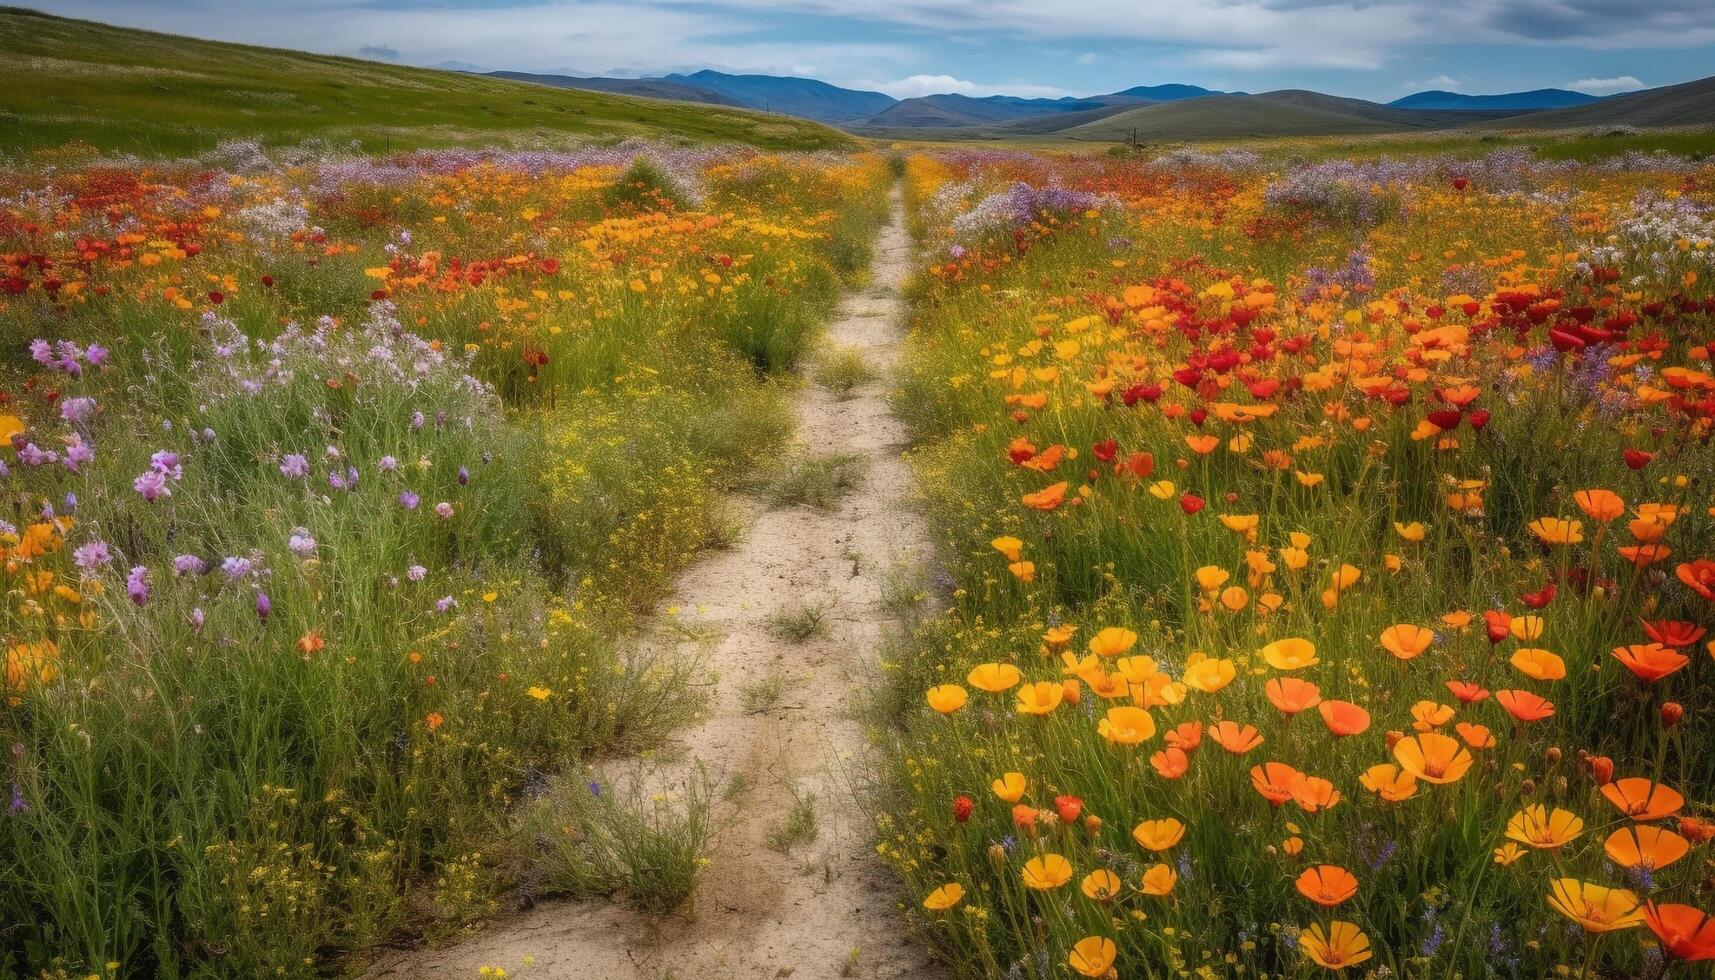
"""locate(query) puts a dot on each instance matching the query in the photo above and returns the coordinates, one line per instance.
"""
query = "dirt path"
(822, 909)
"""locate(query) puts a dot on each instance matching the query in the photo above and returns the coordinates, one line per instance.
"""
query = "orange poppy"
(1645, 847)
(1538, 664)
(1700, 576)
(1273, 780)
(1650, 661)
(1327, 884)
(1406, 641)
(1468, 692)
(1233, 737)
(1158, 835)
(1525, 706)
(1314, 794)
(1187, 735)
(1344, 717)
(1290, 695)
(1171, 762)
(1336, 947)
(1432, 757)
(1047, 498)
(1595, 907)
(1389, 782)
(1641, 799)
(1600, 505)
(1476, 736)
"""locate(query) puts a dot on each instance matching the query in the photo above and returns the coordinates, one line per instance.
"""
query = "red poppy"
(1675, 633)
(1686, 933)
(1068, 807)
(962, 807)
(1191, 503)
(1498, 625)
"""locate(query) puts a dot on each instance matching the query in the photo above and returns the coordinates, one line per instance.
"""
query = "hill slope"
(805, 97)
(149, 93)
(964, 110)
(1542, 98)
(1686, 104)
(1290, 112)
(646, 88)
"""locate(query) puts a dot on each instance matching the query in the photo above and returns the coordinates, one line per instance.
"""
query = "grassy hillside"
(142, 92)
(1688, 104)
(646, 88)
(1288, 113)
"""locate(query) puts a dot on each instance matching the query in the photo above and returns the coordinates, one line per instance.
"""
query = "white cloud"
(919, 85)
(1088, 58)
(1445, 82)
(1606, 86)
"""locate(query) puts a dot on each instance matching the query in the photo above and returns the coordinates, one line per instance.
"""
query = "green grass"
(799, 623)
(799, 826)
(816, 481)
(842, 372)
(141, 92)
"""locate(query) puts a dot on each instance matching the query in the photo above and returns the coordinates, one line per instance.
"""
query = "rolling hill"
(1686, 104)
(805, 97)
(148, 93)
(958, 111)
(1542, 98)
(951, 111)
(646, 88)
(1290, 112)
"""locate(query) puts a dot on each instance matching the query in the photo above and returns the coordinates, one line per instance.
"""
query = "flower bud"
(1671, 713)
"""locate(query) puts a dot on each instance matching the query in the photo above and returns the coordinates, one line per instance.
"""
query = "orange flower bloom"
(1432, 757)
(1686, 933)
(1171, 762)
(1700, 576)
(1336, 947)
(1525, 706)
(1158, 835)
(1273, 780)
(1314, 794)
(1233, 737)
(1187, 735)
(1327, 884)
(1600, 505)
(1595, 907)
(1651, 661)
(1047, 498)
(1290, 695)
(1344, 717)
(1641, 799)
(1645, 847)
(1389, 782)
(1406, 641)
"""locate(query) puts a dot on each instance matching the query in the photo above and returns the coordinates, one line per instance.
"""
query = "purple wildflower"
(136, 587)
(294, 466)
(92, 555)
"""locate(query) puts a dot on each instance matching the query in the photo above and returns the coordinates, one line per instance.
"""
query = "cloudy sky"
(1377, 49)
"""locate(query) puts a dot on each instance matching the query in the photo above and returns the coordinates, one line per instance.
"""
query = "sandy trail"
(824, 909)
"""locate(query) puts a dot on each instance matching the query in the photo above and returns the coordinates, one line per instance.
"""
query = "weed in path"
(816, 481)
(599, 838)
(843, 371)
(798, 623)
(799, 827)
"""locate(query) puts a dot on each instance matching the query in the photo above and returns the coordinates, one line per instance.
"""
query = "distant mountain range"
(1542, 98)
(1164, 112)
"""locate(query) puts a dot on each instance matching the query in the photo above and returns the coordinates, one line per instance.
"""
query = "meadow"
(333, 487)
(1324, 549)
(1329, 567)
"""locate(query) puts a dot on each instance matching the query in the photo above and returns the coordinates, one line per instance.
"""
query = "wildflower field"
(332, 486)
(1331, 557)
